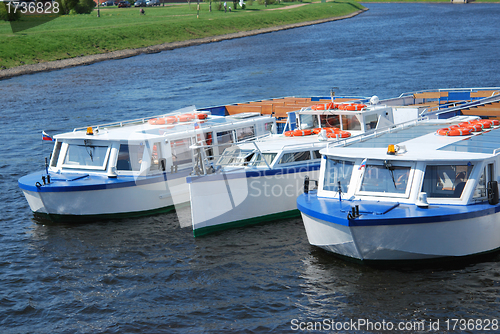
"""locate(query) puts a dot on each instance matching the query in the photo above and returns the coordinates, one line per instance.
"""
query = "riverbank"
(217, 36)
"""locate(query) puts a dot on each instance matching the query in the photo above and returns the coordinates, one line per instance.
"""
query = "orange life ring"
(459, 132)
(495, 122)
(355, 107)
(299, 133)
(288, 133)
(323, 106)
(200, 116)
(209, 138)
(328, 130)
(473, 127)
(485, 124)
(170, 119)
(338, 134)
(443, 131)
(156, 121)
(185, 117)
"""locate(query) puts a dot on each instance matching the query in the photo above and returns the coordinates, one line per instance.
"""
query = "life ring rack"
(338, 134)
(175, 119)
(298, 133)
(466, 128)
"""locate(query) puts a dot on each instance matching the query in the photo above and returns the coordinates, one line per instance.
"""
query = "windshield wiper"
(391, 168)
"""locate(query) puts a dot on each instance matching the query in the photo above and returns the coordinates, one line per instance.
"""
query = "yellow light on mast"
(391, 149)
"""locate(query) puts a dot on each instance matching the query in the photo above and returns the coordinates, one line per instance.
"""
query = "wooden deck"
(490, 110)
(277, 107)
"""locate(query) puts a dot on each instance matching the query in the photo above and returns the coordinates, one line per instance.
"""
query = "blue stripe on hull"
(84, 182)
(253, 173)
(386, 213)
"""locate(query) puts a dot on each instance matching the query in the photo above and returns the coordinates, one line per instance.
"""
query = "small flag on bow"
(46, 137)
(363, 164)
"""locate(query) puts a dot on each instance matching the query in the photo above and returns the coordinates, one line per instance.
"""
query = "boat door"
(156, 157)
(486, 183)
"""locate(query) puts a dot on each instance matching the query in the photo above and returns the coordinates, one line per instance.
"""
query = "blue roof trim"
(85, 182)
(253, 173)
(372, 213)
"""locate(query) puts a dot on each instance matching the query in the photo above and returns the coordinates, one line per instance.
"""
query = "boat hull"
(223, 201)
(92, 198)
(431, 235)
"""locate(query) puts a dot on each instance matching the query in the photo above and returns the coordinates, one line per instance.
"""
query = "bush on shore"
(76, 6)
(7, 15)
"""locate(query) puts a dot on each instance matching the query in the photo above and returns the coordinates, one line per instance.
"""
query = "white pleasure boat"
(260, 181)
(131, 168)
(420, 191)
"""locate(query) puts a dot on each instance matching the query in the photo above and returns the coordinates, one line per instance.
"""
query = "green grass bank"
(124, 28)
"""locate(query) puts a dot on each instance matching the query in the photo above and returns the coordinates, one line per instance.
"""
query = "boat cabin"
(413, 165)
(144, 147)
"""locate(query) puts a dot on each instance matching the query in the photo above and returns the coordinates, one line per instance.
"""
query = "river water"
(148, 275)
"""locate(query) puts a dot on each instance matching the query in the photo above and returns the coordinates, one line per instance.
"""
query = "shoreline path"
(87, 60)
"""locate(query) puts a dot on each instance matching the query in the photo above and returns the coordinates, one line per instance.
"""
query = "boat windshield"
(308, 121)
(86, 156)
(445, 180)
(262, 158)
(385, 178)
(295, 157)
(350, 122)
(337, 171)
(129, 157)
(235, 157)
(330, 121)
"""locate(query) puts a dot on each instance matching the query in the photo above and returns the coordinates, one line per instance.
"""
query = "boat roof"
(280, 142)
(141, 130)
(421, 143)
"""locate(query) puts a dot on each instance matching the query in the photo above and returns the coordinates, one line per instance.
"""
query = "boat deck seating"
(277, 107)
(430, 95)
(490, 110)
(484, 93)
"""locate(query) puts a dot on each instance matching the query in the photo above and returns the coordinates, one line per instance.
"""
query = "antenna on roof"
(332, 92)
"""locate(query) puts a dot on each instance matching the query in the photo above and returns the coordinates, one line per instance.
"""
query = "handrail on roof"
(375, 133)
(132, 121)
(448, 89)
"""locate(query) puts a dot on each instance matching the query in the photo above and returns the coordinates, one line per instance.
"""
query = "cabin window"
(480, 191)
(308, 121)
(445, 180)
(337, 172)
(156, 156)
(209, 150)
(371, 122)
(55, 154)
(295, 156)
(350, 122)
(245, 133)
(129, 157)
(385, 179)
(86, 156)
(316, 154)
(224, 139)
(181, 153)
(330, 121)
(235, 157)
(263, 158)
(268, 127)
